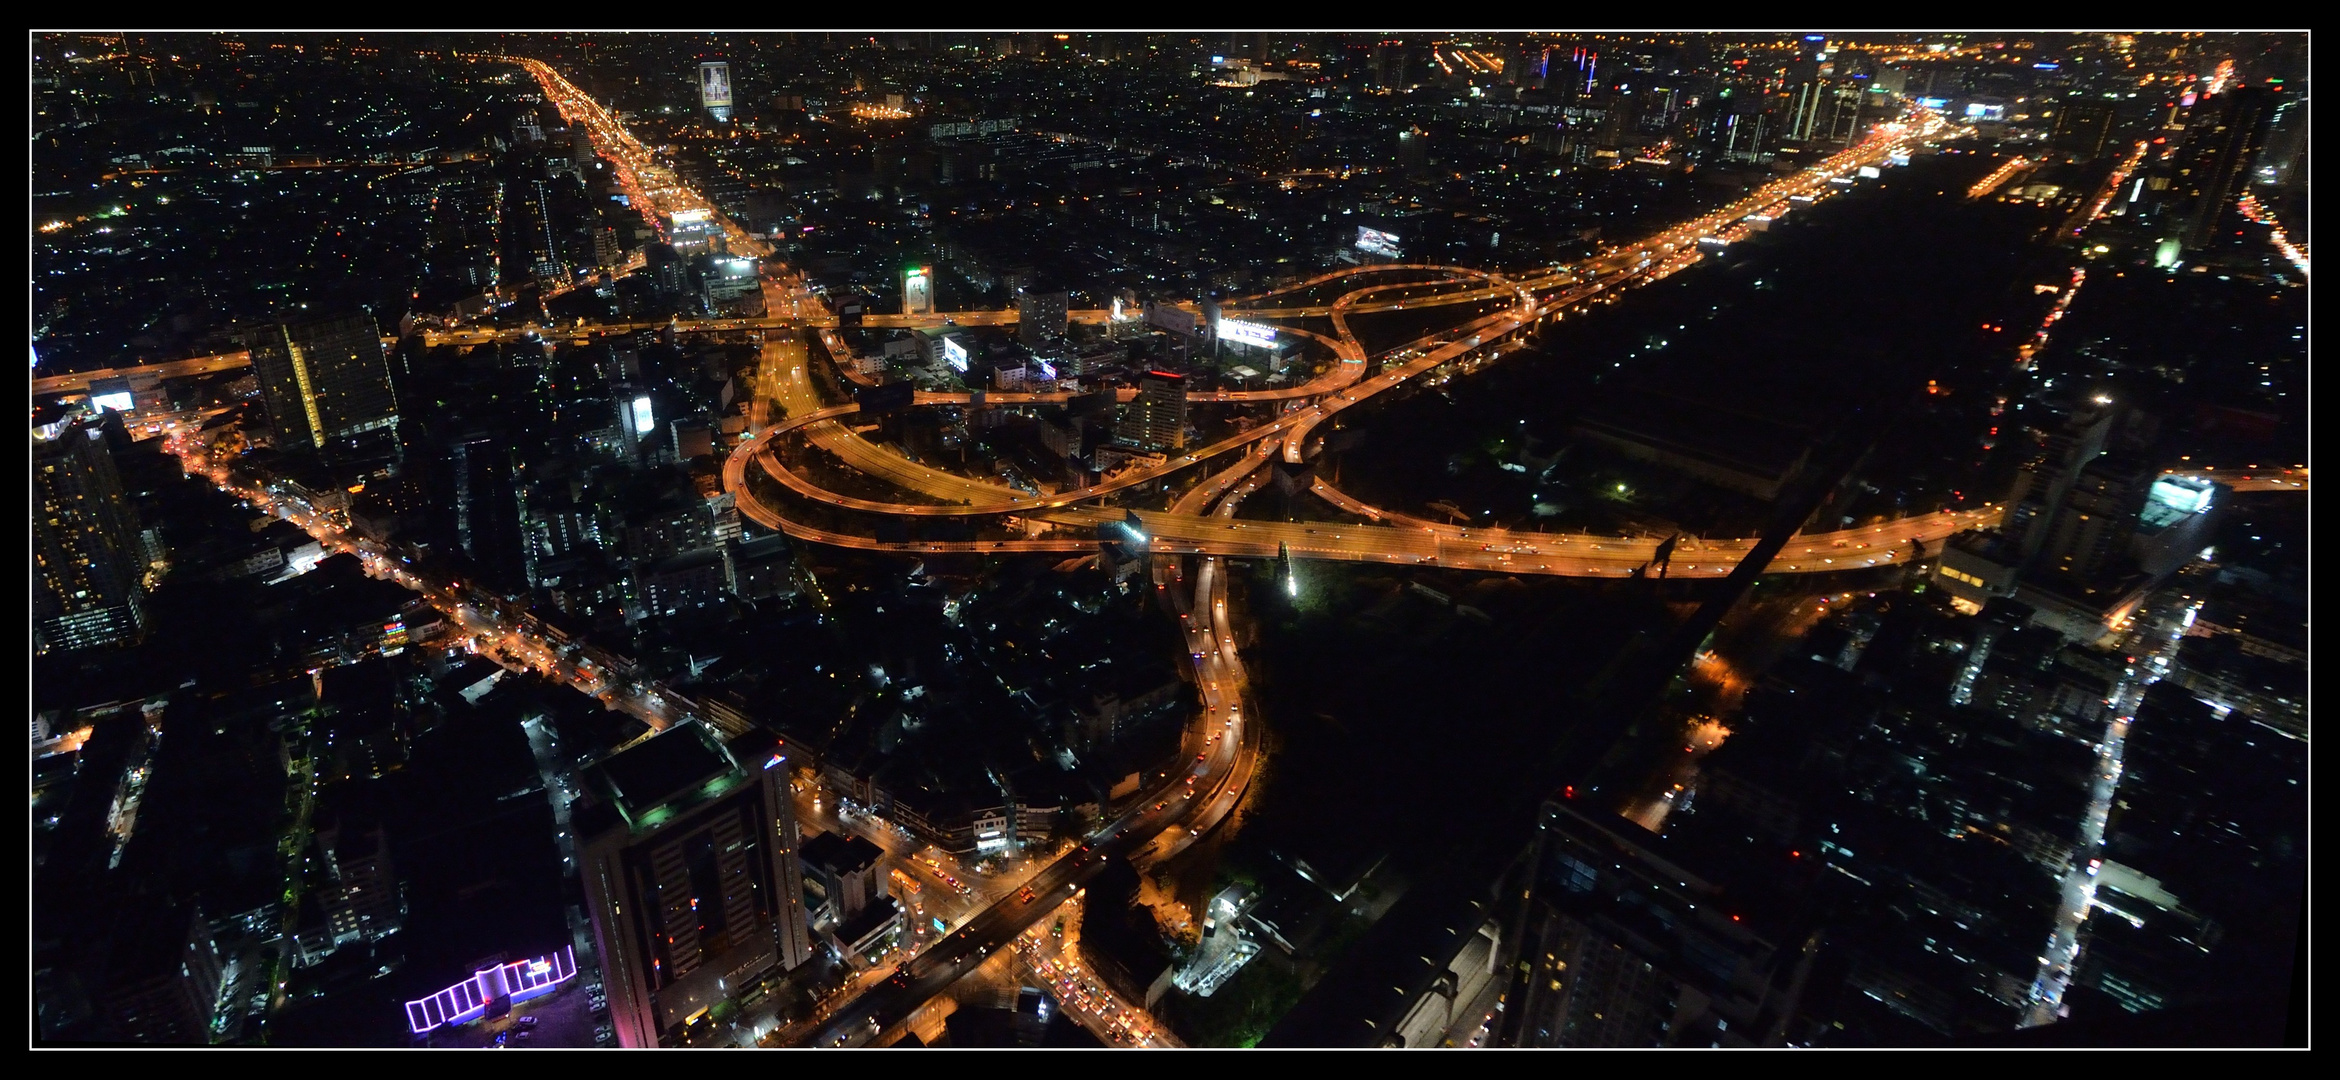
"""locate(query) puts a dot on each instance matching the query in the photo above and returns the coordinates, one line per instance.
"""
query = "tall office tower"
(1157, 419)
(2083, 127)
(87, 560)
(1525, 65)
(689, 857)
(1807, 102)
(163, 976)
(2042, 484)
(1392, 65)
(1807, 89)
(2098, 517)
(2286, 153)
(1617, 946)
(1413, 152)
(918, 290)
(544, 252)
(480, 477)
(324, 379)
(1041, 314)
(2222, 145)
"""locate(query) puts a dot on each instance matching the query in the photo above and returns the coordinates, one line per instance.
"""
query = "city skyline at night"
(1289, 539)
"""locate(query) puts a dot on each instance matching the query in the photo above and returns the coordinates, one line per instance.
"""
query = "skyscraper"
(86, 555)
(2098, 516)
(1157, 419)
(1040, 314)
(1618, 946)
(689, 859)
(324, 379)
(2083, 127)
(2222, 144)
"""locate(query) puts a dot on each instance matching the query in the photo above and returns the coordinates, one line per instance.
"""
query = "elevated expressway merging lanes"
(1207, 792)
(1423, 543)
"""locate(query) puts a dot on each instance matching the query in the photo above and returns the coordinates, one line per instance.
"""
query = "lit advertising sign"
(468, 1000)
(1377, 242)
(2185, 495)
(715, 85)
(1247, 333)
(1977, 110)
(641, 413)
(918, 291)
(1933, 103)
(954, 354)
(1898, 157)
(1870, 172)
(119, 400)
(698, 216)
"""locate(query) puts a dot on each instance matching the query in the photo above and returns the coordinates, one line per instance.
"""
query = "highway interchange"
(1187, 803)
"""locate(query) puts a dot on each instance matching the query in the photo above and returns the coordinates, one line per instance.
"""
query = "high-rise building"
(1041, 314)
(1525, 65)
(843, 871)
(87, 560)
(1392, 65)
(2286, 152)
(535, 204)
(2083, 127)
(2223, 137)
(2098, 517)
(163, 979)
(1157, 419)
(918, 290)
(480, 477)
(1618, 946)
(324, 379)
(2043, 482)
(689, 857)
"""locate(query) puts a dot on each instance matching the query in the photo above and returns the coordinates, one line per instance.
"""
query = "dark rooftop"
(660, 770)
(841, 854)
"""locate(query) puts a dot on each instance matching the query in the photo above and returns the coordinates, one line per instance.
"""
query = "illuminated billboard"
(1376, 242)
(111, 393)
(1870, 172)
(715, 85)
(1976, 110)
(1247, 333)
(2183, 494)
(468, 1000)
(1933, 103)
(954, 354)
(918, 291)
(641, 415)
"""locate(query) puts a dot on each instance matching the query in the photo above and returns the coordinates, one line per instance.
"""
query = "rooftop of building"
(872, 920)
(840, 854)
(680, 766)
